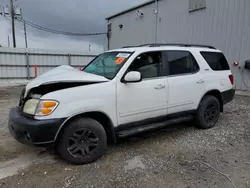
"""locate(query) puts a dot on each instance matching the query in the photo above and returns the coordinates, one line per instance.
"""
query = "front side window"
(148, 64)
(107, 64)
(181, 62)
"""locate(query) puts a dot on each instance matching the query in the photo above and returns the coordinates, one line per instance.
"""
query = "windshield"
(107, 64)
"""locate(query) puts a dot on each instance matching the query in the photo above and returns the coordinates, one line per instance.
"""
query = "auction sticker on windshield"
(120, 60)
(124, 55)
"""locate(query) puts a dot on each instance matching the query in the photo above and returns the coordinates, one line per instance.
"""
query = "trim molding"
(142, 111)
(127, 126)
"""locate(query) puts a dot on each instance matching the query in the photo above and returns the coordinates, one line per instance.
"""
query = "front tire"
(208, 112)
(82, 141)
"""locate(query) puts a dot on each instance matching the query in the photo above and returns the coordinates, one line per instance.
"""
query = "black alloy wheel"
(82, 143)
(208, 113)
(211, 113)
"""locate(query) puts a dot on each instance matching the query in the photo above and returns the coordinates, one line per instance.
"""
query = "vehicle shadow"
(132, 142)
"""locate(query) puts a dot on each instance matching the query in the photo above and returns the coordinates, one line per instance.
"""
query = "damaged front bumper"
(30, 131)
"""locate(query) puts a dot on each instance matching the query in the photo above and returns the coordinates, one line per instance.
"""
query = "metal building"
(224, 24)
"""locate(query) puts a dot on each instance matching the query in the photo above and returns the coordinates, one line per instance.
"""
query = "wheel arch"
(101, 117)
(216, 93)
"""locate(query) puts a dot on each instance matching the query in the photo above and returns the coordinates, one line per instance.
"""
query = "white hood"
(64, 74)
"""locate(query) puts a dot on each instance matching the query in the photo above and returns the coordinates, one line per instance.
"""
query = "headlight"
(30, 106)
(40, 107)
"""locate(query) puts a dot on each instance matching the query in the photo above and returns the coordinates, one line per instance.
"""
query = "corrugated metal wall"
(224, 24)
(136, 30)
(20, 63)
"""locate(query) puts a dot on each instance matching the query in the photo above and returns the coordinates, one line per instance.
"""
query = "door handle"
(200, 81)
(160, 86)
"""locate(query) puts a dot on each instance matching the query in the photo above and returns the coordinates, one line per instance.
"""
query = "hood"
(64, 74)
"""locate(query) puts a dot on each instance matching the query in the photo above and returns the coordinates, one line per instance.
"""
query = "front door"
(148, 98)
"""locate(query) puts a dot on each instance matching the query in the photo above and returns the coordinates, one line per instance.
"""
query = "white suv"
(122, 92)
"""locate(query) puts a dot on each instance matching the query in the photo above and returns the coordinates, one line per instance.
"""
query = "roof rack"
(130, 46)
(173, 44)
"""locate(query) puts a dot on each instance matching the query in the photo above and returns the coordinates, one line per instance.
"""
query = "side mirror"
(247, 64)
(132, 77)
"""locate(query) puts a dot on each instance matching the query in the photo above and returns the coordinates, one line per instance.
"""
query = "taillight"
(231, 78)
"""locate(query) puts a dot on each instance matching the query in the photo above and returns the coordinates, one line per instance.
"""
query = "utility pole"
(24, 27)
(12, 11)
(25, 34)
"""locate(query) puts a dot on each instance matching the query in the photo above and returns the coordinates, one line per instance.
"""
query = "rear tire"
(208, 112)
(82, 141)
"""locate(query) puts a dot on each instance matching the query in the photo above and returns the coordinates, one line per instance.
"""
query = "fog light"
(27, 136)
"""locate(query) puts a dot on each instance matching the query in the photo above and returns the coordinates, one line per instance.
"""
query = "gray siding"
(135, 30)
(224, 24)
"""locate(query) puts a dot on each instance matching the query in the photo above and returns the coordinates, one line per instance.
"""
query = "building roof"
(130, 9)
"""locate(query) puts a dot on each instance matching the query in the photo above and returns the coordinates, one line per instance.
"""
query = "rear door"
(186, 84)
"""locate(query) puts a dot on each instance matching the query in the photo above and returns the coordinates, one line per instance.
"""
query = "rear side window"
(216, 60)
(181, 62)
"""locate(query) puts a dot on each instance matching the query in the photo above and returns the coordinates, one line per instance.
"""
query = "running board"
(152, 126)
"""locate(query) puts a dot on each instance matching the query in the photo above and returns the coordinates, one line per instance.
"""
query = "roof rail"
(130, 46)
(151, 44)
(184, 45)
(173, 44)
(142, 45)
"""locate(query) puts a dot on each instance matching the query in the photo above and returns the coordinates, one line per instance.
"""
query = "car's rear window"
(216, 60)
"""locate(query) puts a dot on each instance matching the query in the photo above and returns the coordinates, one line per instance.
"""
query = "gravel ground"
(180, 156)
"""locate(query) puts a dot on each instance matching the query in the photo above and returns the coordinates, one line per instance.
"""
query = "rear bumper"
(228, 96)
(31, 131)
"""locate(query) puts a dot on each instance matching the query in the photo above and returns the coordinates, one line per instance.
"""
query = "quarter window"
(148, 64)
(216, 60)
(181, 62)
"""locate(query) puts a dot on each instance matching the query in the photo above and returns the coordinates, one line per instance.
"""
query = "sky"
(79, 16)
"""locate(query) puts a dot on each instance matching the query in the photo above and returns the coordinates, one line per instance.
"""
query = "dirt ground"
(177, 157)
